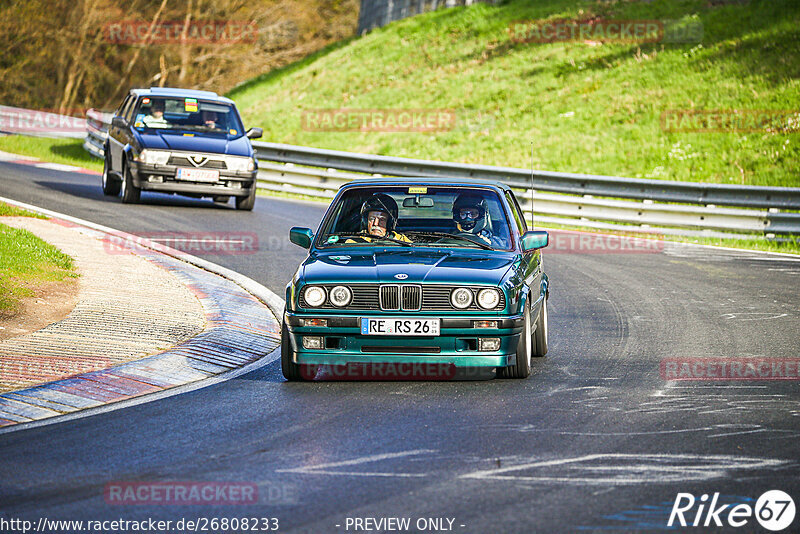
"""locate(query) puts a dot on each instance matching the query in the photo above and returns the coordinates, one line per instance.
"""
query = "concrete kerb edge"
(149, 397)
(274, 303)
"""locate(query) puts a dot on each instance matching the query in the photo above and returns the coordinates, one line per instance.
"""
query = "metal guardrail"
(657, 206)
(96, 131)
(575, 184)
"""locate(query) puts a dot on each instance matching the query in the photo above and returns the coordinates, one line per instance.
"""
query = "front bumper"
(161, 178)
(457, 343)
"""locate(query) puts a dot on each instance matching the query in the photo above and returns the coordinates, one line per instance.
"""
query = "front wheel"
(522, 367)
(130, 193)
(110, 185)
(247, 203)
(291, 371)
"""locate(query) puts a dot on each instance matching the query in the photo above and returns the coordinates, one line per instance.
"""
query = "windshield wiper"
(393, 240)
(453, 236)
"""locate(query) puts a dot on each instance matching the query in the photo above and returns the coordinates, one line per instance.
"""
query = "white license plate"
(197, 175)
(399, 326)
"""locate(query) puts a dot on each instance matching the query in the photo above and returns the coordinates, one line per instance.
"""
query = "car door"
(115, 143)
(530, 261)
(127, 136)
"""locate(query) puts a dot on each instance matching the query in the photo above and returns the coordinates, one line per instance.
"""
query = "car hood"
(217, 144)
(413, 266)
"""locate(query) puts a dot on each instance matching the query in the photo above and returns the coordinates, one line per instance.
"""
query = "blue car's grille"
(208, 163)
(395, 297)
(402, 297)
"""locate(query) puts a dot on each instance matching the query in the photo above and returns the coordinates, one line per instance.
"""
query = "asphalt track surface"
(594, 440)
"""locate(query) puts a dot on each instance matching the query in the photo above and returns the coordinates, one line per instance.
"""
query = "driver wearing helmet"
(378, 219)
(469, 214)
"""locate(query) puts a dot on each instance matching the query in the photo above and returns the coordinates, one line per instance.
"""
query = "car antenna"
(532, 226)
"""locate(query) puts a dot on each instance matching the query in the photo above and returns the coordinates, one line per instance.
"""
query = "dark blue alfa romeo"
(180, 141)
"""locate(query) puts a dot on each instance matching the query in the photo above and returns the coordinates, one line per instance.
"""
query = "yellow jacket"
(368, 238)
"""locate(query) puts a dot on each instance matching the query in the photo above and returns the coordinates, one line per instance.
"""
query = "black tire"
(522, 367)
(540, 333)
(221, 200)
(111, 186)
(247, 203)
(291, 370)
(129, 192)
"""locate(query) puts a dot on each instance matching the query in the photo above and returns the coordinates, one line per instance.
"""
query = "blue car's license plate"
(399, 326)
(197, 175)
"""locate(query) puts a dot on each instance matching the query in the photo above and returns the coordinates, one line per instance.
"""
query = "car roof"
(182, 93)
(426, 180)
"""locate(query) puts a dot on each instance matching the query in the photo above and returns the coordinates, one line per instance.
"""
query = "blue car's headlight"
(153, 157)
(461, 298)
(341, 296)
(239, 164)
(314, 295)
(488, 298)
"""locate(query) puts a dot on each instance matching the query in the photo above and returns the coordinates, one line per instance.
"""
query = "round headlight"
(488, 298)
(314, 295)
(341, 296)
(461, 298)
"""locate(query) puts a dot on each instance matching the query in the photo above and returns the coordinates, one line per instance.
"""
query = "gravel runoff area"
(127, 308)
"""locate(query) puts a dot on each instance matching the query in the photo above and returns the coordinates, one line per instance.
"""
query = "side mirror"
(535, 239)
(119, 122)
(301, 236)
(254, 133)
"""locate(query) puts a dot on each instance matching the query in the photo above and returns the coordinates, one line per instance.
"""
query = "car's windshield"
(187, 114)
(417, 216)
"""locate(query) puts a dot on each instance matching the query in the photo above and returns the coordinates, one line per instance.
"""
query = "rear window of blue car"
(424, 214)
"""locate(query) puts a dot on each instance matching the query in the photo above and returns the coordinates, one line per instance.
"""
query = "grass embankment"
(589, 108)
(66, 151)
(25, 262)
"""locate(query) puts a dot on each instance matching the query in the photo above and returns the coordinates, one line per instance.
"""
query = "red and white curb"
(8, 157)
(243, 334)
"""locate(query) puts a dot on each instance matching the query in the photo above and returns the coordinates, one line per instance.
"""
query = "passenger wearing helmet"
(378, 219)
(469, 214)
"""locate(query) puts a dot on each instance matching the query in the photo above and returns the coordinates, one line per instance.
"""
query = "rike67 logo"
(774, 511)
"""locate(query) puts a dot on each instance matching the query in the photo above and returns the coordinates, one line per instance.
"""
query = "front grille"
(411, 297)
(403, 297)
(395, 297)
(390, 298)
(181, 161)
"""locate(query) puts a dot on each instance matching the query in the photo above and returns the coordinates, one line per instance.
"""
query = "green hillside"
(587, 107)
